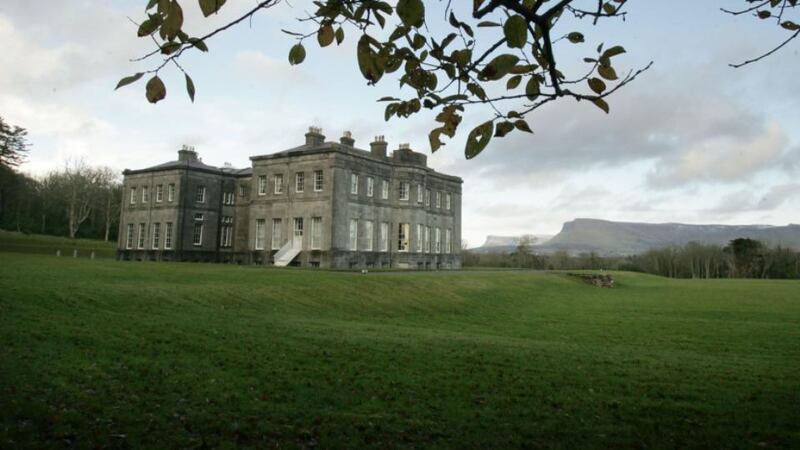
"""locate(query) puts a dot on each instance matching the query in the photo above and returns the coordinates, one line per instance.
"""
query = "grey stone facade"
(337, 206)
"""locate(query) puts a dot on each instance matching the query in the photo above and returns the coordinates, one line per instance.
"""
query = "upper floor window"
(438, 199)
(145, 195)
(242, 190)
(133, 196)
(318, 181)
(353, 183)
(427, 198)
(228, 198)
(299, 182)
(447, 200)
(171, 192)
(370, 186)
(384, 189)
(159, 193)
(198, 217)
(420, 193)
(403, 192)
(200, 195)
(278, 181)
(262, 185)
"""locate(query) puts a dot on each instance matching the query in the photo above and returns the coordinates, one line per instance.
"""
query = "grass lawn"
(171, 355)
(11, 241)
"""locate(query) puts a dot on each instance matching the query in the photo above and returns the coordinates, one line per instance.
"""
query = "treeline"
(741, 258)
(78, 201)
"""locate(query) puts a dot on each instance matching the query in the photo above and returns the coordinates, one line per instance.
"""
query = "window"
(156, 235)
(447, 200)
(159, 193)
(129, 237)
(370, 186)
(402, 237)
(427, 239)
(243, 190)
(385, 190)
(262, 185)
(226, 234)
(420, 193)
(171, 192)
(384, 237)
(403, 193)
(197, 235)
(353, 234)
(427, 198)
(261, 236)
(318, 181)
(168, 236)
(276, 234)
(353, 183)
(198, 217)
(200, 195)
(437, 248)
(133, 196)
(447, 238)
(278, 181)
(316, 233)
(420, 233)
(140, 244)
(368, 235)
(438, 199)
(297, 237)
(145, 195)
(299, 181)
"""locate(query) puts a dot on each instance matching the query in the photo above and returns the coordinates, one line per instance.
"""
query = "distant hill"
(509, 243)
(626, 238)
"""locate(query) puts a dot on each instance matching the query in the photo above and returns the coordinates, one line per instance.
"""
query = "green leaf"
(199, 44)
(523, 126)
(613, 51)
(597, 85)
(297, 54)
(368, 60)
(478, 139)
(607, 72)
(488, 23)
(339, 36)
(789, 25)
(411, 12)
(513, 82)
(516, 31)
(128, 80)
(499, 67)
(155, 90)
(434, 139)
(170, 48)
(575, 37)
(210, 6)
(189, 87)
(477, 90)
(600, 103)
(764, 14)
(503, 128)
(325, 35)
(174, 21)
(532, 88)
(147, 27)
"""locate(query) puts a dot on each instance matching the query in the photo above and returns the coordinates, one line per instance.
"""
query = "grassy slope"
(181, 355)
(11, 241)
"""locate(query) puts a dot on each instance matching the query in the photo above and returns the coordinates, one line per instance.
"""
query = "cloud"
(746, 201)
(255, 65)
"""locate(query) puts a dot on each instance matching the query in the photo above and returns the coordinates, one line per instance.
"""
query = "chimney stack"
(314, 136)
(378, 147)
(187, 153)
(347, 139)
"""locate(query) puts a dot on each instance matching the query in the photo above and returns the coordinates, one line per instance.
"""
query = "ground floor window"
(129, 237)
(419, 240)
(368, 235)
(140, 244)
(276, 233)
(353, 234)
(226, 234)
(402, 237)
(168, 236)
(447, 241)
(427, 239)
(316, 233)
(156, 235)
(438, 241)
(197, 235)
(261, 228)
(384, 237)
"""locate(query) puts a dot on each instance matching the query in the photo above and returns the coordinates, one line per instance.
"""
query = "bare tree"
(79, 187)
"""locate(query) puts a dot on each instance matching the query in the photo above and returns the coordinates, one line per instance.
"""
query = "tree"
(13, 144)
(514, 61)
(80, 188)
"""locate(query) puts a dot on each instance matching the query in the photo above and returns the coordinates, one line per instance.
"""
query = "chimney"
(347, 139)
(378, 147)
(187, 153)
(314, 136)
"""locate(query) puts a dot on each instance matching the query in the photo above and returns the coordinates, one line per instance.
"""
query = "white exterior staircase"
(287, 253)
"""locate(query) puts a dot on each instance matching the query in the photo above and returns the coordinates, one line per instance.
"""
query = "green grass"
(160, 355)
(11, 241)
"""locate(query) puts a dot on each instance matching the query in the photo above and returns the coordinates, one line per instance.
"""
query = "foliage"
(13, 144)
(174, 355)
(493, 53)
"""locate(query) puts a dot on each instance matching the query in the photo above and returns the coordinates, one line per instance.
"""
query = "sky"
(691, 140)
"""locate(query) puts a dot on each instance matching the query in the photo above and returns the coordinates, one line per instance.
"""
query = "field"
(168, 355)
(48, 245)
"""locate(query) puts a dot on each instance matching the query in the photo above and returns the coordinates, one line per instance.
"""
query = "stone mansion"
(322, 204)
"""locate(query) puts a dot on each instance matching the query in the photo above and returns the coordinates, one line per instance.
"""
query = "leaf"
(503, 128)
(499, 67)
(189, 87)
(297, 54)
(789, 25)
(513, 82)
(532, 88)
(607, 72)
(199, 44)
(516, 31)
(477, 90)
(367, 60)
(174, 21)
(170, 48)
(613, 51)
(600, 103)
(523, 126)
(575, 37)
(488, 23)
(609, 8)
(764, 14)
(210, 6)
(597, 85)
(411, 12)
(433, 139)
(155, 90)
(147, 27)
(128, 80)
(325, 35)
(478, 139)
(339, 36)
